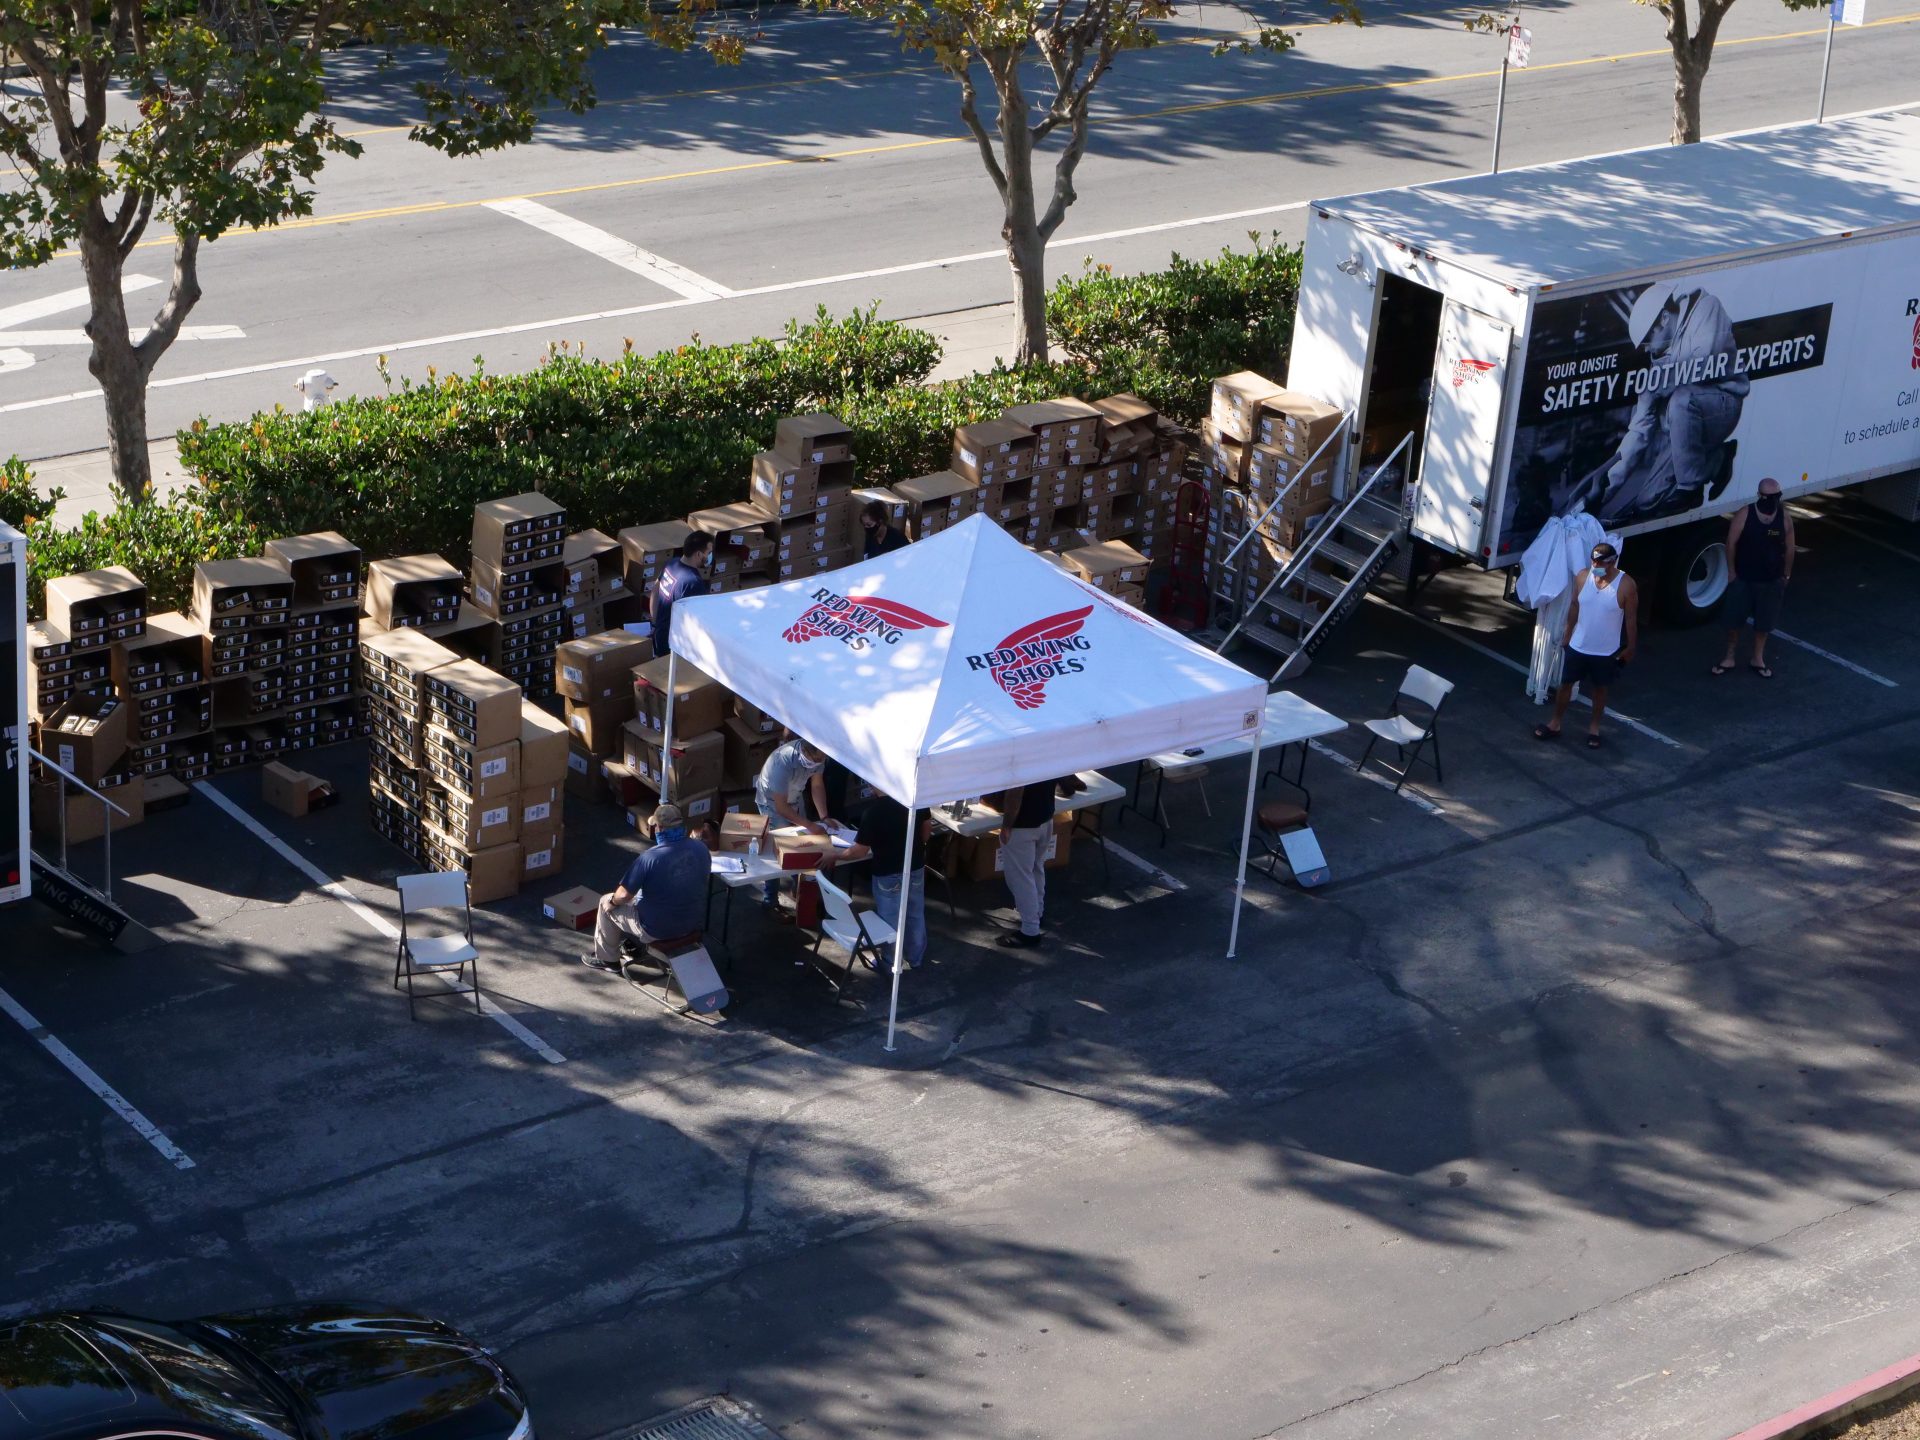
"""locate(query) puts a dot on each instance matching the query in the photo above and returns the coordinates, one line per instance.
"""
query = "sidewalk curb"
(1849, 1400)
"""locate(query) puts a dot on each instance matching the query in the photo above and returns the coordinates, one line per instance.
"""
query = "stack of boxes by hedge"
(519, 578)
(1256, 443)
(464, 772)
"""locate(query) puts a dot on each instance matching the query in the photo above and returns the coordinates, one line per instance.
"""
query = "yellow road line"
(1322, 92)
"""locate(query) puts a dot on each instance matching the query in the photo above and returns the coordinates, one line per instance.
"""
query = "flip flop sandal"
(1541, 732)
(1723, 669)
(1593, 742)
(1765, 672)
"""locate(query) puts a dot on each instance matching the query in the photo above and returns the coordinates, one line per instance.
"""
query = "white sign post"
(1519, 49)
(1839, 12)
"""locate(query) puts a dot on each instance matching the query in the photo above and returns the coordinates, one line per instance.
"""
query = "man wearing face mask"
(1603, 629)
(796, 769)
(663, 895)
(1760, 550)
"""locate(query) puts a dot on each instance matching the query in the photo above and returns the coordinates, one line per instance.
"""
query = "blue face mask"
(664, 837)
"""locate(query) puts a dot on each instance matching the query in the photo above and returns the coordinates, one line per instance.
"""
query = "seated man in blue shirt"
(662, 897)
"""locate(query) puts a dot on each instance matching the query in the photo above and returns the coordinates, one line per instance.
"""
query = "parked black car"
(300, 1372)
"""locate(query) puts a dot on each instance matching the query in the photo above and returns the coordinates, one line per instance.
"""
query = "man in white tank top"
(1603, 626)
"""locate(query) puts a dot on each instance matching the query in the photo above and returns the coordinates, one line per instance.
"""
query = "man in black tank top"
(1760, 552)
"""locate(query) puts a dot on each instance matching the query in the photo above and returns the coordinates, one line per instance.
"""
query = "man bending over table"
(663, 895)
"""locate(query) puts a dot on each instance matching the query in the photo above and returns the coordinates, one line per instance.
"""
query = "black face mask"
(1766, 504)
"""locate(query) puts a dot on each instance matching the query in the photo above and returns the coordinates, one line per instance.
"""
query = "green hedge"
(645, 438)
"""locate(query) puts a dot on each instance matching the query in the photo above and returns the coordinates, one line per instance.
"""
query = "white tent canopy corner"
(966, 664)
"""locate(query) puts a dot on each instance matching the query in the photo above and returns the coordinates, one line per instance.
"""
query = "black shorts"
(1755, 600)
(1596, 671)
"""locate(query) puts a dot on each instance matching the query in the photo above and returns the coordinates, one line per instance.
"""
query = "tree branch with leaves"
(208, 116)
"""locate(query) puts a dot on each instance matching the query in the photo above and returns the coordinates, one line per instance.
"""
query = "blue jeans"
(886, 903)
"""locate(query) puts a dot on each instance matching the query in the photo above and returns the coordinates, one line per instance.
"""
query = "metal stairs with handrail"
(1325, 577)
(86, 906)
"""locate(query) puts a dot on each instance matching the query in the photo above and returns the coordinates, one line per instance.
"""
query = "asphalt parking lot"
(1568, 1039)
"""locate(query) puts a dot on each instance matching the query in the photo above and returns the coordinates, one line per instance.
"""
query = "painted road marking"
(1158, 876)
(372, 918)
(1352, 767)
(1476, 646)
(87, 1076)
(13, 357)
(1860, 670)
(66, 300)
(610, 247)
(80, 337)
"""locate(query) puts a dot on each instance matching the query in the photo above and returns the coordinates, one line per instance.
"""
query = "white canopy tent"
(966, 664)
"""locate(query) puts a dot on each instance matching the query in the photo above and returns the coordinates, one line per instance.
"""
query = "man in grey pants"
(1025, 827)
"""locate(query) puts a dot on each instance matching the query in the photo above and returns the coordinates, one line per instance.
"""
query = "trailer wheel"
(1694, 572)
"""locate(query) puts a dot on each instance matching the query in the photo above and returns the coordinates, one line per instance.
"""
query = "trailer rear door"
(1463, 428)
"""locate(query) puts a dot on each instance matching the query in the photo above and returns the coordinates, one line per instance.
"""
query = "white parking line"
(1412, 797)
(1860, 670)
(372, 918)
(610, 247)
(1159, 876)
(85, 1074)
(1474, 645)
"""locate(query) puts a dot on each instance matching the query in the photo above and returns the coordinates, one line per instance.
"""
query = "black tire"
(1693, 572)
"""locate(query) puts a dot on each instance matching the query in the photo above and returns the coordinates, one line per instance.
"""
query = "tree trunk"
(1027, 253)
(116, 365)
(1689, 77)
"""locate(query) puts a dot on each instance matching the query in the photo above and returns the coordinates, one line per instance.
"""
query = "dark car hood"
(373, 1373)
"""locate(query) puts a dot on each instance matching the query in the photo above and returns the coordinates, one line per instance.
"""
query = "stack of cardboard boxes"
(1256, 443)
(519, 579)
(596, 597)
(464, 772)
(594, 675)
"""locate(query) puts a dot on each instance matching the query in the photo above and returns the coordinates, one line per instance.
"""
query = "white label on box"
(499, 815)
(579, 723)
(701, 806)
(819, 457)
(66, 757)
(577, 762)
(617, 582)
(537, 859)
(482, 596)
(573, 675)
(547, 910)
(969, 457)
(536, 813)
(493, 767)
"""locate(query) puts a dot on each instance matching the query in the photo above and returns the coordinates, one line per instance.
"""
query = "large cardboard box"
(1107, 564)
(1052, 419)
(518, 531)
(88, 736)
(86, 818)
(1296, 423)
(798, 849)
(481, 707)
(699, 703)
(575, 909)
(490, 773)
(293, 792)
(539, 806)
(1127, 425)
(413, 590)
(583, 771)
(740, 532)
(97, 607)
(480, 826)
(494, 873)
(993, 450)
(247, 586)
(1230, 458)
(543, 748)
(691, 765)
(648, 548)
(1237, 399)
(756, 719)
(542, 854)
(324, 567)
(944, 492)
(739, 829)
(595, 726)
(594, 565)
(746, 750)
(818, 439)
(600, 666)
(783, 487)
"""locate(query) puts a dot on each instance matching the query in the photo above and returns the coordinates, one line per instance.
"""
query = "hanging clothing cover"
(965, 664)
(1547, 572)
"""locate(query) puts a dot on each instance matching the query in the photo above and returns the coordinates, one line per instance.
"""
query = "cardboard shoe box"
(88, 736)
(575, 909)
(474, 703)
(600, 666)
(293, 792)
(699, 704)
(814, 439)
(738, 831)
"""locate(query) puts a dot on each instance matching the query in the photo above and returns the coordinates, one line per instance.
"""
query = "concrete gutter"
(1842, 1404)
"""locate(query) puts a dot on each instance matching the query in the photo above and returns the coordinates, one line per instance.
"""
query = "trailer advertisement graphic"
(1659, 402)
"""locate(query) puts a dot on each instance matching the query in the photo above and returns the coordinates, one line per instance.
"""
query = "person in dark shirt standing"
(882, 538)
(1025, 827)
(684, 576)
(663, 895)
(1760, 550)
(883, 837)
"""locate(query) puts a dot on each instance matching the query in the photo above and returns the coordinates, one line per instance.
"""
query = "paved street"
(1578, 1104)
(832, 169)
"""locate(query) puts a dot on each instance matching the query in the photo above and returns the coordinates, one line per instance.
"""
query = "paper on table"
(841, 835)
(729, 865)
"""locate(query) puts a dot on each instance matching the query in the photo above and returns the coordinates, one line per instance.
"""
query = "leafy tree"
(1693, 52)
(206, 115)
(1075, 43)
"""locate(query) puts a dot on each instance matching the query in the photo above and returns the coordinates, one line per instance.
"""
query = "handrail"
(1346, 417)
(107, 831)
(1315, 540)
(60, 769)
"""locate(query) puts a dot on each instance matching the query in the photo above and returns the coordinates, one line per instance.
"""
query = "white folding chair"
(862, 934)
(1421, 691)
(443, 951)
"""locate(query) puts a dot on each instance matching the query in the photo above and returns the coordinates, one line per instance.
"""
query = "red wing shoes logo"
(1465, 370)
(1913, 308)
(857, 624)
(1026, 660)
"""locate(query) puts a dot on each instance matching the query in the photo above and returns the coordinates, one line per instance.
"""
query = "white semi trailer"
(1643, 335)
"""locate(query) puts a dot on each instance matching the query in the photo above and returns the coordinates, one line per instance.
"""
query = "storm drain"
(715, 1419)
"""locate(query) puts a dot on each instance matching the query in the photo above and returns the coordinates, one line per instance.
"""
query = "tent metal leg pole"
(900, 929)
(666, 733)
(1246, 840)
